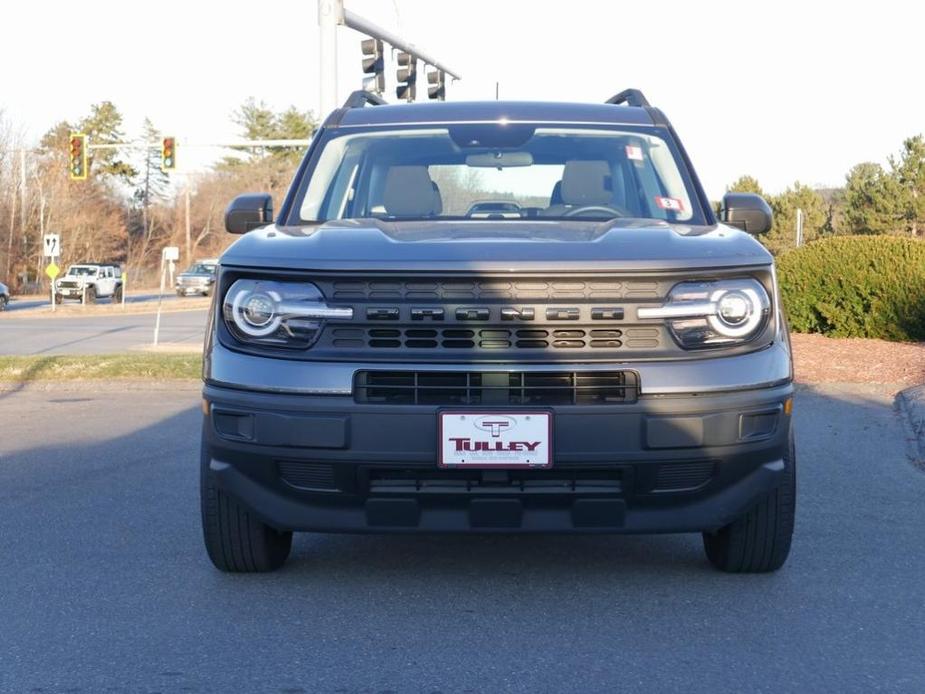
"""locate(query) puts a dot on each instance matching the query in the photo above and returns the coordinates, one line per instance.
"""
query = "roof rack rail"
(361, 98)
(630, 97)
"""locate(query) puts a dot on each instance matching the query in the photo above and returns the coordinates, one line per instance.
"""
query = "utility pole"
(22, 198)
(330, 15)
(9, 241)
(189, 243)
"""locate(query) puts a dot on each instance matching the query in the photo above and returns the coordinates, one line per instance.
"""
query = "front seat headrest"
(587, 183)
(410, 192)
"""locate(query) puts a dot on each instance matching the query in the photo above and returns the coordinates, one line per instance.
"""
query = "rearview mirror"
(247, 212)
(747, 211)
(499, 160)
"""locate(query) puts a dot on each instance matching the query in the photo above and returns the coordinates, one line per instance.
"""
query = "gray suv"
(601, 355)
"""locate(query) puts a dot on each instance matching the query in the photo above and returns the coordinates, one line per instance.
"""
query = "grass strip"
(25, 369)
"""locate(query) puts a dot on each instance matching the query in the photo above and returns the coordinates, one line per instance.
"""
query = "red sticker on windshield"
(633, 152)
(672, 204)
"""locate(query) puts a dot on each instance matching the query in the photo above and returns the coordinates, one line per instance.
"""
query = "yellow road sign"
(52, 270)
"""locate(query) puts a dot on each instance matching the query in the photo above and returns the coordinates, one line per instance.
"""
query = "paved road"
(97, 334)
(104, 585)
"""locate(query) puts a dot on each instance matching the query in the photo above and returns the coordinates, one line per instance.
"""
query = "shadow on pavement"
(31, 373)
(113, 587)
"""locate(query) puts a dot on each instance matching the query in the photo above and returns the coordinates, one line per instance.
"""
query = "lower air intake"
(307, 475)
(490, 388)
(676, 477)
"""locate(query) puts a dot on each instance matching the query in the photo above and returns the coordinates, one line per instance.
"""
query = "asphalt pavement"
(105, 586)
(98, 333)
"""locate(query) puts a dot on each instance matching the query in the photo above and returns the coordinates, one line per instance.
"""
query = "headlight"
(714, 314)
(278, 314)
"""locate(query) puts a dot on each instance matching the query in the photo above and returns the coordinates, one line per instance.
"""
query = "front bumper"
(188, 289)
(70, 291)
(666, 463)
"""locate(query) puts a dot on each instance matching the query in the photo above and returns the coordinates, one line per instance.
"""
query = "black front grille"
(417, 482)
(490, 388)
(479, 338)
(499, 289)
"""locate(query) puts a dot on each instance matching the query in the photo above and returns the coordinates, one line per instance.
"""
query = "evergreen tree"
(872, 200)
(259, 122)
(909, 172)
(745, 184)
(104, 126)
(151, 183)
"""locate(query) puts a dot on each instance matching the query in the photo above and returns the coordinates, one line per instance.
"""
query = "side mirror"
(247, 212)
(747, 211)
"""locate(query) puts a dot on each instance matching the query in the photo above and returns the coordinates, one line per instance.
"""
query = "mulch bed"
(820, 359)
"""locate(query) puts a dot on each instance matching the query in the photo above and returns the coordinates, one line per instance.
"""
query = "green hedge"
(856, 286)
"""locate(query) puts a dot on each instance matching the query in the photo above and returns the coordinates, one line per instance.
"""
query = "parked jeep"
(384, 357)
(198, 278)
(4, 296)
(89, 282)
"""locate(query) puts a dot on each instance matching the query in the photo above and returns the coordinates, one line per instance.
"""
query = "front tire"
(236, 541)
(759, 541)
(3, 301)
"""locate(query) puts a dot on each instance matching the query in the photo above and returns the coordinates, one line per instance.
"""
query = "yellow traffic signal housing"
(77, 156)
(169, 154)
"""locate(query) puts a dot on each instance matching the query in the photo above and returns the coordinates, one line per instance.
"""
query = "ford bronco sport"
(389, 354)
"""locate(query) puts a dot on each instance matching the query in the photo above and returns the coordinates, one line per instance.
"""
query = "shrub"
(856, 286)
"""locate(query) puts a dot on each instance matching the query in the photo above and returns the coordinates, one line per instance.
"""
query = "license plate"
(495, 439)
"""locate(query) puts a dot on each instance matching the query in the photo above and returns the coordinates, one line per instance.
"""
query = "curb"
(911, 404)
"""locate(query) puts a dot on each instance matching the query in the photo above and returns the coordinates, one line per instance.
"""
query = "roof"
(487, 111)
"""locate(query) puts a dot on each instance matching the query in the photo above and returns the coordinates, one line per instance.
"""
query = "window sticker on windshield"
(633, 152)
(672, 204)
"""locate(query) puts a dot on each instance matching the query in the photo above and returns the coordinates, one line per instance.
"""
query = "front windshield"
(201, 269)
(499, 172)
(81, 271)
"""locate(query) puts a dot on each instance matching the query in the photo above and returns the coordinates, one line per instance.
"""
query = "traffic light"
(436, 85)
(77, 156)
(168, 154)
(407, 76)
(373, 64)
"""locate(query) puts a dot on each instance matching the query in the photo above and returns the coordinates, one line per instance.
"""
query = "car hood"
(196, 275)
(497, 246)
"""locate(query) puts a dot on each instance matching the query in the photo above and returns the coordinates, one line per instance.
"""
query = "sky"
(783, 91)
